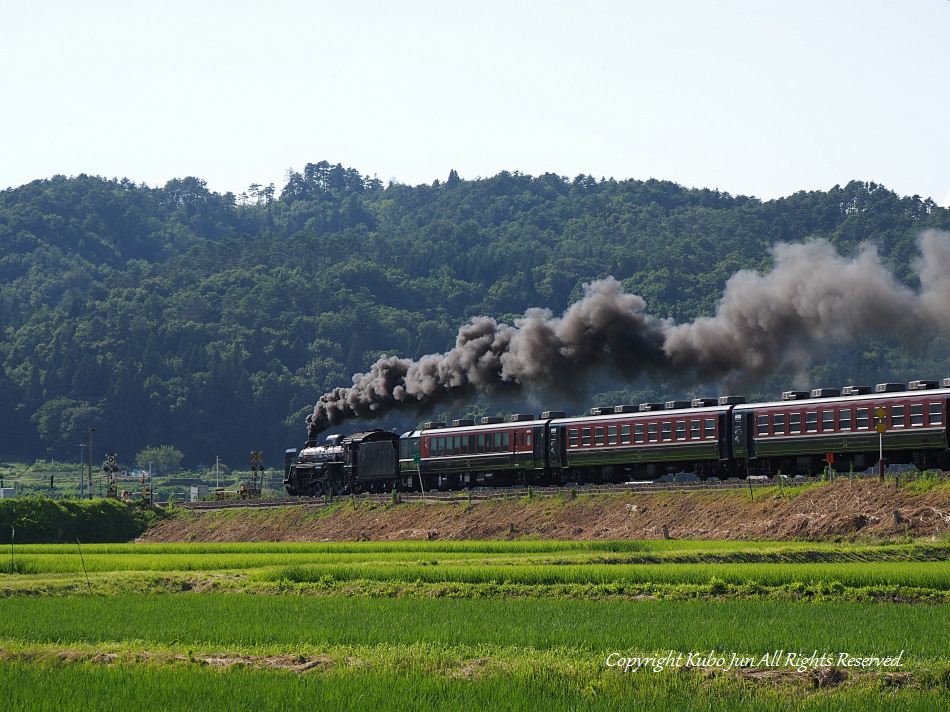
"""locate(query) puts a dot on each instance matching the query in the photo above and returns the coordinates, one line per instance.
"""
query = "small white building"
(199, 492)
(7, 492)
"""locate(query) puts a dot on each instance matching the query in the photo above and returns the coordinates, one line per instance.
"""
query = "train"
(804, 433)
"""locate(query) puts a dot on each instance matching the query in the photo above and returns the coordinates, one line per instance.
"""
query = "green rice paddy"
(486, 625)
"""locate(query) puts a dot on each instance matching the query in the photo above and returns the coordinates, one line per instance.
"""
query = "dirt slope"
(845, 509)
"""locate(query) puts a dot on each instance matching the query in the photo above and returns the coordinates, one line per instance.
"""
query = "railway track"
(481, 495)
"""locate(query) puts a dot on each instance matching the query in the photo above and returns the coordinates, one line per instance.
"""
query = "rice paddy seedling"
(294, 624)
(76, 687)
(931, 575)
(372, 547)
(65, 558)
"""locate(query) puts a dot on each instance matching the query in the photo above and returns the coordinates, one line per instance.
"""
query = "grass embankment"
(847, 509)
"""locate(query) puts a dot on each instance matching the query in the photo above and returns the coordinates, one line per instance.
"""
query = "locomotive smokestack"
(780, 321)
(315, 426)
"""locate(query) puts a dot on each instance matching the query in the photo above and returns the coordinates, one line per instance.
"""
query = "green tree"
(174, 314)
(64, 421)
(164, 459)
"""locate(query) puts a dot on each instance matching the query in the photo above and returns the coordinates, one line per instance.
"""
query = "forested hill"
(212, 322)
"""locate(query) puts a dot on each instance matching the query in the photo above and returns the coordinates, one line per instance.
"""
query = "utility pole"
(91, 489)
(217, 479)
(50, 451)
(82, 468)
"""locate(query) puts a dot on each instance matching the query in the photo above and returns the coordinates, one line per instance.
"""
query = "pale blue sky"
(761, 98)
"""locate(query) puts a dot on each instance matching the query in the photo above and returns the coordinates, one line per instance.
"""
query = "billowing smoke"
(812, 299)
(608, 328)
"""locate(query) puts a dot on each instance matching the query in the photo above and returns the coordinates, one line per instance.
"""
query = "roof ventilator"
(731, 400)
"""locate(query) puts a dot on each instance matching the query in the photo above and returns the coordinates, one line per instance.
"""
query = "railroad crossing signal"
(110, 467)
(257, 466)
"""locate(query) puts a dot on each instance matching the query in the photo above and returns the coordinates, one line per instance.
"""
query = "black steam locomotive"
(803, 434)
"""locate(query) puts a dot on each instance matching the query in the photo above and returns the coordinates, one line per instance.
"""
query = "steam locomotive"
(803, 433)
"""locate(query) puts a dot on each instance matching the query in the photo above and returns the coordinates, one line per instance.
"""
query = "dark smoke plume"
(812, 299)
